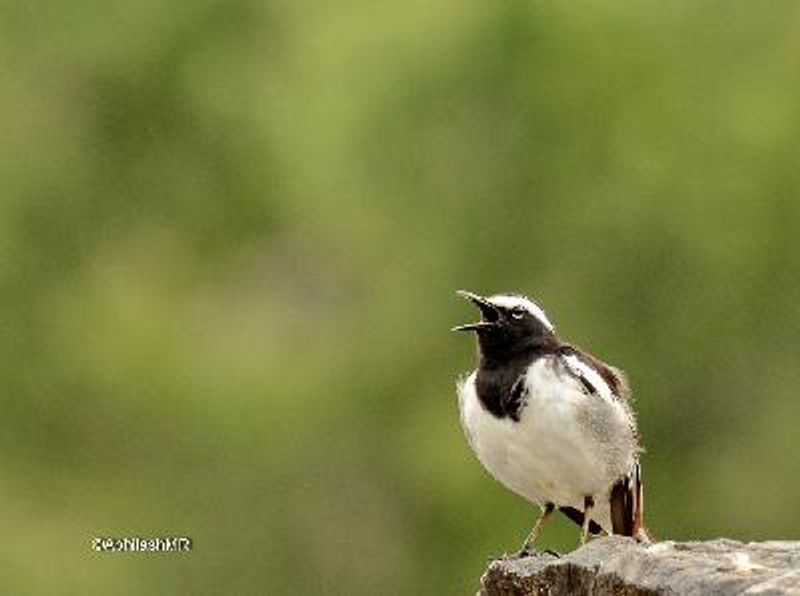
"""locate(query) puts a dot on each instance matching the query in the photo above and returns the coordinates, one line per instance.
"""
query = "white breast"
(567, 445)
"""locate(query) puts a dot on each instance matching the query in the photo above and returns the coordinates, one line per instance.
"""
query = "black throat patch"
(500, 385)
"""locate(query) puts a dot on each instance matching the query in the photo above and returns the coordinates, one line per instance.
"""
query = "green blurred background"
(231, 232)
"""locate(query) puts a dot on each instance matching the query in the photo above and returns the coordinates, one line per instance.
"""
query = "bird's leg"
(588, 504)
(530, 542)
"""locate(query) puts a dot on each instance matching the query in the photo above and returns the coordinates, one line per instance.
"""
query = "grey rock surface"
(619, 566)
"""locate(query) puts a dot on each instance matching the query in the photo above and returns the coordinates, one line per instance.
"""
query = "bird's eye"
(517, 313)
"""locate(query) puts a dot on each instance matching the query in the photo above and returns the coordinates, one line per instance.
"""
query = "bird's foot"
(528, 550)
(553, 553)
(525, 551)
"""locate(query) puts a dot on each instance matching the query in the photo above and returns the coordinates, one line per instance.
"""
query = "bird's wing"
(627, 495)
(597, 377)
(584, 372)
(627, 505)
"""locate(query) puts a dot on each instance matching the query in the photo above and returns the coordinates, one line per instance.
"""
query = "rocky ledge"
(619, 566)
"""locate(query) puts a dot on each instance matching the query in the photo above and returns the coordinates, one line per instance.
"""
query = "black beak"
(490, 313)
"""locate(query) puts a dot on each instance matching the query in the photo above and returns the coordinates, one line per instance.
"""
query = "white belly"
(566, 446)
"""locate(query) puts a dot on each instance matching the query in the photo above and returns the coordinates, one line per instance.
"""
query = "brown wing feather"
(614, 377)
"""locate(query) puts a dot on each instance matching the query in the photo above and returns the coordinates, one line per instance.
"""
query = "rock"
(621, 567)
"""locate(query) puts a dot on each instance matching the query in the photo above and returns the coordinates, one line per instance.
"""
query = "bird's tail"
(627, 506)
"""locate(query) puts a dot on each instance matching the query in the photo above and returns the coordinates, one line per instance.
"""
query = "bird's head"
(510, 324)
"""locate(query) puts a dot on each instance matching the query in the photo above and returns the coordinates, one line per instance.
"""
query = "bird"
(551, 422)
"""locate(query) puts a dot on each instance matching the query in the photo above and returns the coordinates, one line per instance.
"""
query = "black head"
(510, 325)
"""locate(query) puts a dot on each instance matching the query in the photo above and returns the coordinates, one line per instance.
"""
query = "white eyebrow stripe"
(510, 301)
(579, 368)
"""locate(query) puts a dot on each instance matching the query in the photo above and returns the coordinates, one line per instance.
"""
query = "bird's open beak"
(488, 310)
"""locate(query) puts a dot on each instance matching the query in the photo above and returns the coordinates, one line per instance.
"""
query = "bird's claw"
(553, 553)
(526, 551)
(529, 550)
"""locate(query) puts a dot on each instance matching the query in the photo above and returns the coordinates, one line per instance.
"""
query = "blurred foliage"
(231, 232)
